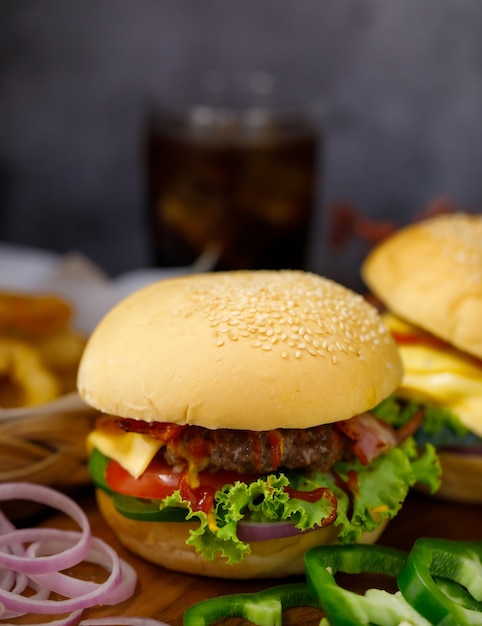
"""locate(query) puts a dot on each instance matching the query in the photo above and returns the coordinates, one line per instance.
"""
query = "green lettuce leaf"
(440, 426)
(382, 486)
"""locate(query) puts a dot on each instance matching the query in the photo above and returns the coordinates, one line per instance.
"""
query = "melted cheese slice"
(132, 451)
(442, 375)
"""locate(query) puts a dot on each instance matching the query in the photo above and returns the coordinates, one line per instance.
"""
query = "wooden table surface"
(165, 595)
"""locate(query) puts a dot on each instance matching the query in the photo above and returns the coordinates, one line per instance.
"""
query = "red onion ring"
(5, 524)
(69, 620)
(38, 565)
(122, 621)
(49, 497)
(16, 582)
(79, 593)
(263, 531)
(41, 593)
(118, 587)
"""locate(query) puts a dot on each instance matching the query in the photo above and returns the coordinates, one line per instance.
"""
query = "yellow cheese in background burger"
(133, 451)
(438, 373)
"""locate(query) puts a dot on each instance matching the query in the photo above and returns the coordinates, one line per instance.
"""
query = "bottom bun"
(461, 477)
(164, 543)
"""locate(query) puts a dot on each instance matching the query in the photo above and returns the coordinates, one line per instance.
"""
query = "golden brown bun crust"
(245, 350)
(430, 273)
(164, 543)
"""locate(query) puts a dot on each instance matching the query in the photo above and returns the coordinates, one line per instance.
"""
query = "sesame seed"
(293, 313)
(459, 237)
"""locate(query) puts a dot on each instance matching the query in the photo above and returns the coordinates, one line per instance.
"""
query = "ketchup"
(308, 496)
(314, 496)
(255, 444)
(201, 498)
(275, 441)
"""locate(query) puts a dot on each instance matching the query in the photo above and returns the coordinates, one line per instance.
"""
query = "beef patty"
(246, 451)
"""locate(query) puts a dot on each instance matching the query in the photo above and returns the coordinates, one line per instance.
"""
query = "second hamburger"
(237, 428)
(428, 276)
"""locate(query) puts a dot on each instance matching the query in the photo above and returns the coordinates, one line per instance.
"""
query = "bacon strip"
(372, 436)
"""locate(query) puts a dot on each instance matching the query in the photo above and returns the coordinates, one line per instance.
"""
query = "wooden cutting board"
(165, 595)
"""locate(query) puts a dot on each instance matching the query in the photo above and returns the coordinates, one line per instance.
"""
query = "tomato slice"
(413, 337)
(160, 480)
(157, 482)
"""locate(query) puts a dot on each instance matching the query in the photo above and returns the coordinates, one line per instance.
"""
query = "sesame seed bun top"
(430, 273)
(252, 350)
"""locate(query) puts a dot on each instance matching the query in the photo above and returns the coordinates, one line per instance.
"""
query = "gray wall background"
(401, 82)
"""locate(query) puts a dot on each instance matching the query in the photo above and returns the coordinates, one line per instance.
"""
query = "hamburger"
(428, 277)
(236, 428)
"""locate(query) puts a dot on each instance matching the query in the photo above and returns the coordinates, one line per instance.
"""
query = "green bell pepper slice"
(440, 583)
(442, 580)
(97, 465)
(376, 607)
(263, 608)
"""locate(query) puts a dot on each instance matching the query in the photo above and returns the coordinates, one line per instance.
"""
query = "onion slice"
(70, 620)
(263, 531)
(32, 558)
(118, 587)
(122, 621)
(45, 495)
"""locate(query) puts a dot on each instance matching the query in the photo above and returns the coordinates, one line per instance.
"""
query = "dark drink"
(231, 195)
